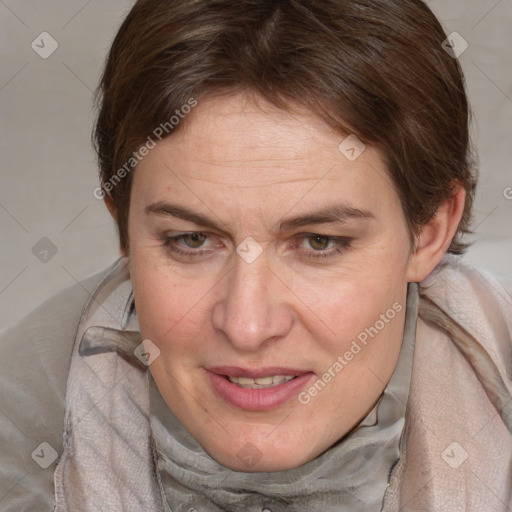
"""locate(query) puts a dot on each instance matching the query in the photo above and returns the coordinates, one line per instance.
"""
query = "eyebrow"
(330, 214)
(340, 213)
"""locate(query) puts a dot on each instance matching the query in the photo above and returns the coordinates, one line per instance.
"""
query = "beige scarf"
(456, 446)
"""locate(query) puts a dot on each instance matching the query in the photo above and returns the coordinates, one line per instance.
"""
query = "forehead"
(253, 130)
(253, 153)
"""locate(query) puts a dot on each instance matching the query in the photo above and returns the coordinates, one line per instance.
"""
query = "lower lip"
(258, 399)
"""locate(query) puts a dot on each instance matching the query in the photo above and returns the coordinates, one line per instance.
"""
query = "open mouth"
(261, 382)
(257, 390)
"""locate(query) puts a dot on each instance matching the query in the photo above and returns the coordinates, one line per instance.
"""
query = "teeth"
(262, 382)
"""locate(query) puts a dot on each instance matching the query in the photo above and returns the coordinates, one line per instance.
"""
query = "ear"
(436, 236)
(111, 207)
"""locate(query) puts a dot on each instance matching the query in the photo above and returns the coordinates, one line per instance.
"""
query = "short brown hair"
(375, 68)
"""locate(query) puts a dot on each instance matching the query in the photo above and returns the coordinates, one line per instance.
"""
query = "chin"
(251, 457)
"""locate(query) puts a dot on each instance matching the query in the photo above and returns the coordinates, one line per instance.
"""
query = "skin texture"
(249, 166)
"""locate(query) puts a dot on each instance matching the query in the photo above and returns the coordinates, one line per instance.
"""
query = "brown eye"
(315, 246)
(319, 242)
(188, 246)
(194, 240)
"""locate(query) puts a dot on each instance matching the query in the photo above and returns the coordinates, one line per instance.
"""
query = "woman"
(291, 325)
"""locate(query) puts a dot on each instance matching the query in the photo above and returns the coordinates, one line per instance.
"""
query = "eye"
(193, 240)
(191, 244)
(319, 242)
(324, 246)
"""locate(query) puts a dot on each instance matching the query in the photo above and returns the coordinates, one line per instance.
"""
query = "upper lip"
(237, 371)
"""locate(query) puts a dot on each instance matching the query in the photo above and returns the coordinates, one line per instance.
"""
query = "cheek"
(355, 311)
(352, 304)
(366, 272)
(170, 310)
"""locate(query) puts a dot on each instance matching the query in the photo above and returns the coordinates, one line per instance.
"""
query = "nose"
(252, 309)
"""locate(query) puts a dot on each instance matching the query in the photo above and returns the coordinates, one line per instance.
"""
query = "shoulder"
(475, 300)
(454, 275)
(461, 387)
(476, 312)
(34, 363)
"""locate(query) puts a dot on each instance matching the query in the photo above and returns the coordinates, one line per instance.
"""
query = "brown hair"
(375, 68)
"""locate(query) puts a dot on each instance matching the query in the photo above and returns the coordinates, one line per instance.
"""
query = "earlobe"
(435, 237)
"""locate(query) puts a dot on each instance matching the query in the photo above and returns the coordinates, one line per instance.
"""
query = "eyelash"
(342, 244)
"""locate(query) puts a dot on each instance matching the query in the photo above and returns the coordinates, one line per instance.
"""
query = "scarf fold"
(107, 459)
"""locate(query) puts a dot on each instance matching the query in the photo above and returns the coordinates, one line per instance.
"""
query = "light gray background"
(49, 169)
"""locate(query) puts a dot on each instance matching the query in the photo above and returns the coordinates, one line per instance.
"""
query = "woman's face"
(270, 268)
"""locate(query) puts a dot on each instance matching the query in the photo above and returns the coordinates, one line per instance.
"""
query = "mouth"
(257, 390)
(262, 382)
